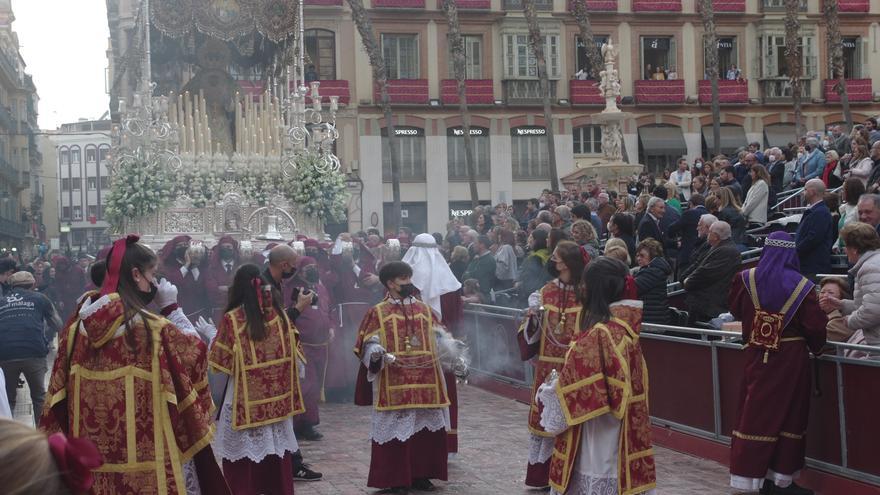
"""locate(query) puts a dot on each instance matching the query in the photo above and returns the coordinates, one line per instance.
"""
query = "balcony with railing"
(778, 90)
(517, 5)
(474, 4)
(854, 6)
(779, 5)
(725, 6)
(477, 91)
(729, 92)
(324, 3)
(596, 5)
(405, 92)
(656, 5)
(585, 92)
(659, 92)
(858, 90)
(12, 228)
(399, 4)
(332, 87)
(526, 91)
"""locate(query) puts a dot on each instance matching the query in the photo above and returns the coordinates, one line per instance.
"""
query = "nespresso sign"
(458, 131)
(528, 130)
(405, 131)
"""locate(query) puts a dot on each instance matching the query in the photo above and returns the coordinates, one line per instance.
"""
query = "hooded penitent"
(431, 273)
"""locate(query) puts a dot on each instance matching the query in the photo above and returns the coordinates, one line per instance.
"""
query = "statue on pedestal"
(609, 83)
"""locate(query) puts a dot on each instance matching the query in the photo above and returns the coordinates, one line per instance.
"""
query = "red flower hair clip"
(76, 458)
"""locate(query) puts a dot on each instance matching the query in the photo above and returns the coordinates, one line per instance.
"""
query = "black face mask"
(227, 254)
(310, 276)
(147, 297)
(287, 275)
(551, 269)
(406, 290)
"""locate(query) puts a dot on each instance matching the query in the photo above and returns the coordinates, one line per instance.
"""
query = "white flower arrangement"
(140, 188)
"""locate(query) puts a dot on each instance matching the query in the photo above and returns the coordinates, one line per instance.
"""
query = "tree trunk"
(794, 61)
(459, 67)
(710, 48)
(380, 77)
(586, 31)
(537, 43)
(835, 51)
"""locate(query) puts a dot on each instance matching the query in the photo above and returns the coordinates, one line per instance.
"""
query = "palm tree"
(710, 48)
(459, 63)
(380, 77)
(586, 31)
(537, 43)
(835, 49)
(794, 63)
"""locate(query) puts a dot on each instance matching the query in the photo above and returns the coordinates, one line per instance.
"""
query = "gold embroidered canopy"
(226, 20)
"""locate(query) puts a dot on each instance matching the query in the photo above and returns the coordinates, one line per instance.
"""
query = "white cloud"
(64, 44)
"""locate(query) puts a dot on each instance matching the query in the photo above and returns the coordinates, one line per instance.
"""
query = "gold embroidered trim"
(754, 438)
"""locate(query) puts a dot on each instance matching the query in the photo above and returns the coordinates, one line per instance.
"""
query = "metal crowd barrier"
(695, 386)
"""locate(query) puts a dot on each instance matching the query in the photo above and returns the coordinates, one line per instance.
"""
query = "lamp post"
(355, 187)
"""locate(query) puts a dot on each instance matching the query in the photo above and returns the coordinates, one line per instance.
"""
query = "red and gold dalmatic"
(560, 325)
(414, 381)
(605, 373)
(267, 386)
(140, 393)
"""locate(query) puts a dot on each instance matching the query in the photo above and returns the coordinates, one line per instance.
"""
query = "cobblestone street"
(492, 453)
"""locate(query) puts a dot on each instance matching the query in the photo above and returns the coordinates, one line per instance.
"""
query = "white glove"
(206, 329)
(166, 294)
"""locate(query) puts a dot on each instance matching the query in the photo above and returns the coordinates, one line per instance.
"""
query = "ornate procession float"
(217, 128)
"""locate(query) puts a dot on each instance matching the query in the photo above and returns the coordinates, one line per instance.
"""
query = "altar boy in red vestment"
(398, 353)
(597, 406)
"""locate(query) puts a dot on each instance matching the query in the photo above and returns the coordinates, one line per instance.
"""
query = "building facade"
(670, 117)
(83, 184)
(20, 160)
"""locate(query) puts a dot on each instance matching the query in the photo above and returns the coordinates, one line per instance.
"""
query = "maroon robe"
(775, 390)
(69, 284)
(217, 277)
(191, 295)
(314, 330)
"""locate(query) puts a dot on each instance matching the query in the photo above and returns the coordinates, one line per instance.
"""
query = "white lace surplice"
(402, 423)
(251, 443)
(595, 470)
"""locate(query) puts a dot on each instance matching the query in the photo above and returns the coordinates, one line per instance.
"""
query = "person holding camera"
(282, 266)
(316, 331)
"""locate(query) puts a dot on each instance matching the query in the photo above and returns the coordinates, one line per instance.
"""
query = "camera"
(295, 296)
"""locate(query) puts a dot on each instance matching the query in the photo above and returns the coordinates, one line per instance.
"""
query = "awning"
(662, 140)
(779, 135)
(732, 138)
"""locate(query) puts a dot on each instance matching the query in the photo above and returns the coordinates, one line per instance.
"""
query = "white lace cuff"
(179, 319)
(533, 326)
(552, 419)
(540, 448)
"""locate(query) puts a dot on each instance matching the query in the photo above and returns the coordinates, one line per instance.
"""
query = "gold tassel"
(766, 354)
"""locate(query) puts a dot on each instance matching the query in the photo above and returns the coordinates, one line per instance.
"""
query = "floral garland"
(319, 192)
(139, 188)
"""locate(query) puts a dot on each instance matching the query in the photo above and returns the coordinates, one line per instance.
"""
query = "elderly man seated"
(706, 287)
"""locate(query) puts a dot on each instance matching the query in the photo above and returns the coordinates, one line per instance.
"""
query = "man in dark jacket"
(776, 167)
(728, 179)
(649, 227)
(482, 267)
(24, 344)
(707, 285)
(686, 229)
(815, 233)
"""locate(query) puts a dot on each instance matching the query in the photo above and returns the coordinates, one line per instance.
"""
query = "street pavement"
(493, 446)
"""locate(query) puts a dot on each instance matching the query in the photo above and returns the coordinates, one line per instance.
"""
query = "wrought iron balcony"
(729, 92)
(779, 90)
(517, 5)
(526, 91)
